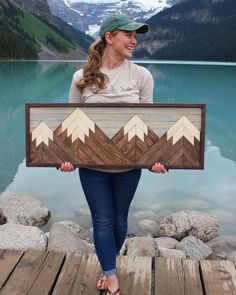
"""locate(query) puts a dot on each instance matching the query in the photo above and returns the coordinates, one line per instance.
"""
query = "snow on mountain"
(86, 15)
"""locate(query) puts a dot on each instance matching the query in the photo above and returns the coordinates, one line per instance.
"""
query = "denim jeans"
(109, 196)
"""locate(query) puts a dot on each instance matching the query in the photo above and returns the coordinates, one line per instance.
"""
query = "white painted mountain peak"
(42, 133)
(78, 125)
(183, 127)
(135, 126)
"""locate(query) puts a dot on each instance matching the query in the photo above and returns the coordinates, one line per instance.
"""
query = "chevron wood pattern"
(115, 136)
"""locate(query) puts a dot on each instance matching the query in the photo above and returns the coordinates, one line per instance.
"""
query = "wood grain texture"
(35, 272)
(177, 276)
(219, 277)
(135, 274)
(25, 273)
(115, 136)
(8, 261)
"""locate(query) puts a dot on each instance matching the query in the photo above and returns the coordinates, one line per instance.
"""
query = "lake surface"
(212, 190)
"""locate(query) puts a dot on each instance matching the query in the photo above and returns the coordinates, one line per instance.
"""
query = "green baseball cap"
(121, 22)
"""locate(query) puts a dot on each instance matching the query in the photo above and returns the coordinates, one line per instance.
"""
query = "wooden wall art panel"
(115, 135)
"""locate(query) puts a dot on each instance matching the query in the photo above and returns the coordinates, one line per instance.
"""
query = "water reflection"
(211, 190)
(22, 82)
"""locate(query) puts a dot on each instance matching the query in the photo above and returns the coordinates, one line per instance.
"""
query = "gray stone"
(166, 242)
(190, 223)
(25, 210)
(194, 248)
(174, 253)
(78, 230)
(142, 214)
(20, 237)
(231, 256)
(222, 246)
(149, 226)
(66, 238)
(141, 246)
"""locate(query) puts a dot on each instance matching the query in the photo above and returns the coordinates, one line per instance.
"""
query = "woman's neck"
(110, 61)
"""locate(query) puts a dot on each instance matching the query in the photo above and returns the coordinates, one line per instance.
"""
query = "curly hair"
(92, 75)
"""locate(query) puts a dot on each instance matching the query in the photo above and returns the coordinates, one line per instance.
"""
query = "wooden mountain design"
(78, 139)
(134, 144)
(178, 147)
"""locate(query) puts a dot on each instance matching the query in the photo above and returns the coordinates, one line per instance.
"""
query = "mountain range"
(87, 15)
(29, 30)
(192, 30)
(63, 29)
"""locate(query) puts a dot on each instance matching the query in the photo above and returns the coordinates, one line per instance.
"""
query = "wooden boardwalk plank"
(48, 274)
(177, 276)
(8, 261)
(79, 275)
(192, 279)
(68, 274)
(134, 275)
(219, 277)
(24, 274)
(55, 273)
(169, 277)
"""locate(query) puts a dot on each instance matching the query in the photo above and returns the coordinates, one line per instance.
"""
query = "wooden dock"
(44, 273)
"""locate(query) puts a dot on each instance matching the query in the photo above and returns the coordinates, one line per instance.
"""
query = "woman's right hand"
(67, 167)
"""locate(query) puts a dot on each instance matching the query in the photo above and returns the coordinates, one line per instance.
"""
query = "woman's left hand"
(158, 168)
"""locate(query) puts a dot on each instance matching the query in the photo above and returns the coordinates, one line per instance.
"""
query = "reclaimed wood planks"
(115, 136)
(177, 276)
(219, 277)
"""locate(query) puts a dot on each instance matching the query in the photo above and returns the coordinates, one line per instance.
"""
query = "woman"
(109, 77)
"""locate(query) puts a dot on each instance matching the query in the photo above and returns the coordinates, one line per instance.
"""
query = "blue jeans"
(109, 196)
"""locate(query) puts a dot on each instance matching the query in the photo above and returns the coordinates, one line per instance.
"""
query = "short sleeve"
(75, 95)
(147, 86)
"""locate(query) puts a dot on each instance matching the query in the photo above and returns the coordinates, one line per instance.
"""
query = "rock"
(25, 210)
(78, 229)
(166, 242)
(145, 215)
(221, 247)
(3, 219)
(194, 248)
(141, 246)
(20, 237)
(190, 223)
(149, 226)
(174, 253)
(231, 256)
(65, 237)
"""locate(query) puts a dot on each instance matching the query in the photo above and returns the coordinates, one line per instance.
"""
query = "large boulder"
(25, 210)
(222, 247)
(194, 248)
(190, 223)
(20, 237)
(67, 237)
(141, 246)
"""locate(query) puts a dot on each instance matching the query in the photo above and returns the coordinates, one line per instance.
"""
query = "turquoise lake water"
(212, 190)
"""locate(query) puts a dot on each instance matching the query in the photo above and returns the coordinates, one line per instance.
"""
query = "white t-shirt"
(128, 83)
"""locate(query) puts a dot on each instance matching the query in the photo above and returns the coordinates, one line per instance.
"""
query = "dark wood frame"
(154, 105)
